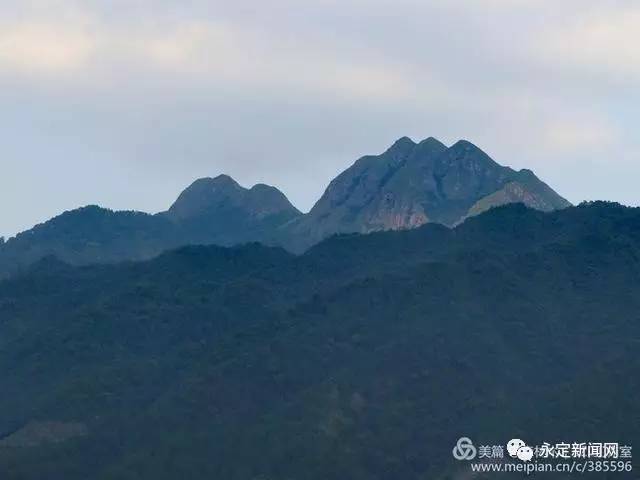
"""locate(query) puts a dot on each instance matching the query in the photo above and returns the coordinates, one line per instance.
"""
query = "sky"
(123, 103)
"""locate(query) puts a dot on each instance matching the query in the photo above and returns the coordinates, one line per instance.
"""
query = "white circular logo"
(464, 449)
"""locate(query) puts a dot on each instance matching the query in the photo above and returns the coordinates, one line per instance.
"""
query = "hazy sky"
(123, 103)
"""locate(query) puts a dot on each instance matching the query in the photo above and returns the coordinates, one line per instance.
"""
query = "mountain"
(210, 211)
(219, 211)
(366, 357)
(407, 186)
(90, 235)
(412, 184)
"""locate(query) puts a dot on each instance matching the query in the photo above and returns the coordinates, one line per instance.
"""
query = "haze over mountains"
(408, 185)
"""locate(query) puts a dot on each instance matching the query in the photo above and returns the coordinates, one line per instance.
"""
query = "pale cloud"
(45, 48)
(604, 42)
(580, 135)
(90, 51)
(224, 53)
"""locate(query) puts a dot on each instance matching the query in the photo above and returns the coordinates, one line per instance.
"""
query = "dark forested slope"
(365, 358)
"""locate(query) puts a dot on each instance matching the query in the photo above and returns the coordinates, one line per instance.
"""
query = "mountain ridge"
(406, 186)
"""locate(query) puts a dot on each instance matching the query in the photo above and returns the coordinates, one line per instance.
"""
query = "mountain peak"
(432, 142)
(202, 194)
(224, 179)
(466, 152)
(411, 184)
(404, 140)
(263, 188)
(209, 184)
(427, 148)
(402, 145)
(267, 199)
(463, 144)
(219, 210)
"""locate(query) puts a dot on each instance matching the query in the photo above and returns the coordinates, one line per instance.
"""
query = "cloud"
(224, 53)
(603, 42)
(580, 135)
(85, 49)
(37, 48)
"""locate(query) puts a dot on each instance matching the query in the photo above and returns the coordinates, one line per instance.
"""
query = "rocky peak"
(356, 186)
(432, 143)
(224, 179)
(465, 154)
(411, 184)
(400, 148)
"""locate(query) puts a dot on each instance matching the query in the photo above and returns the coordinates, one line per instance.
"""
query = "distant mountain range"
(408, 185)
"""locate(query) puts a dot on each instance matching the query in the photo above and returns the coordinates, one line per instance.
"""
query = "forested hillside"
(367, 357)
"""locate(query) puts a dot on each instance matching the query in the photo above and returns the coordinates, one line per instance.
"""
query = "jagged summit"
(432, 142)
(222, 181)
(411, 184)
(401, 145)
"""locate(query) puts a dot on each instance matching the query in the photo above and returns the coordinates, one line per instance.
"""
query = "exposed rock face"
(368, 196)
(525, 188)
(411, 184)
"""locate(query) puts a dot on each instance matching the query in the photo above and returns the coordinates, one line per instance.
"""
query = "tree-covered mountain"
(407, 186)
(366, 357)
(221, 212)
(90, 235)
(210, 211)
